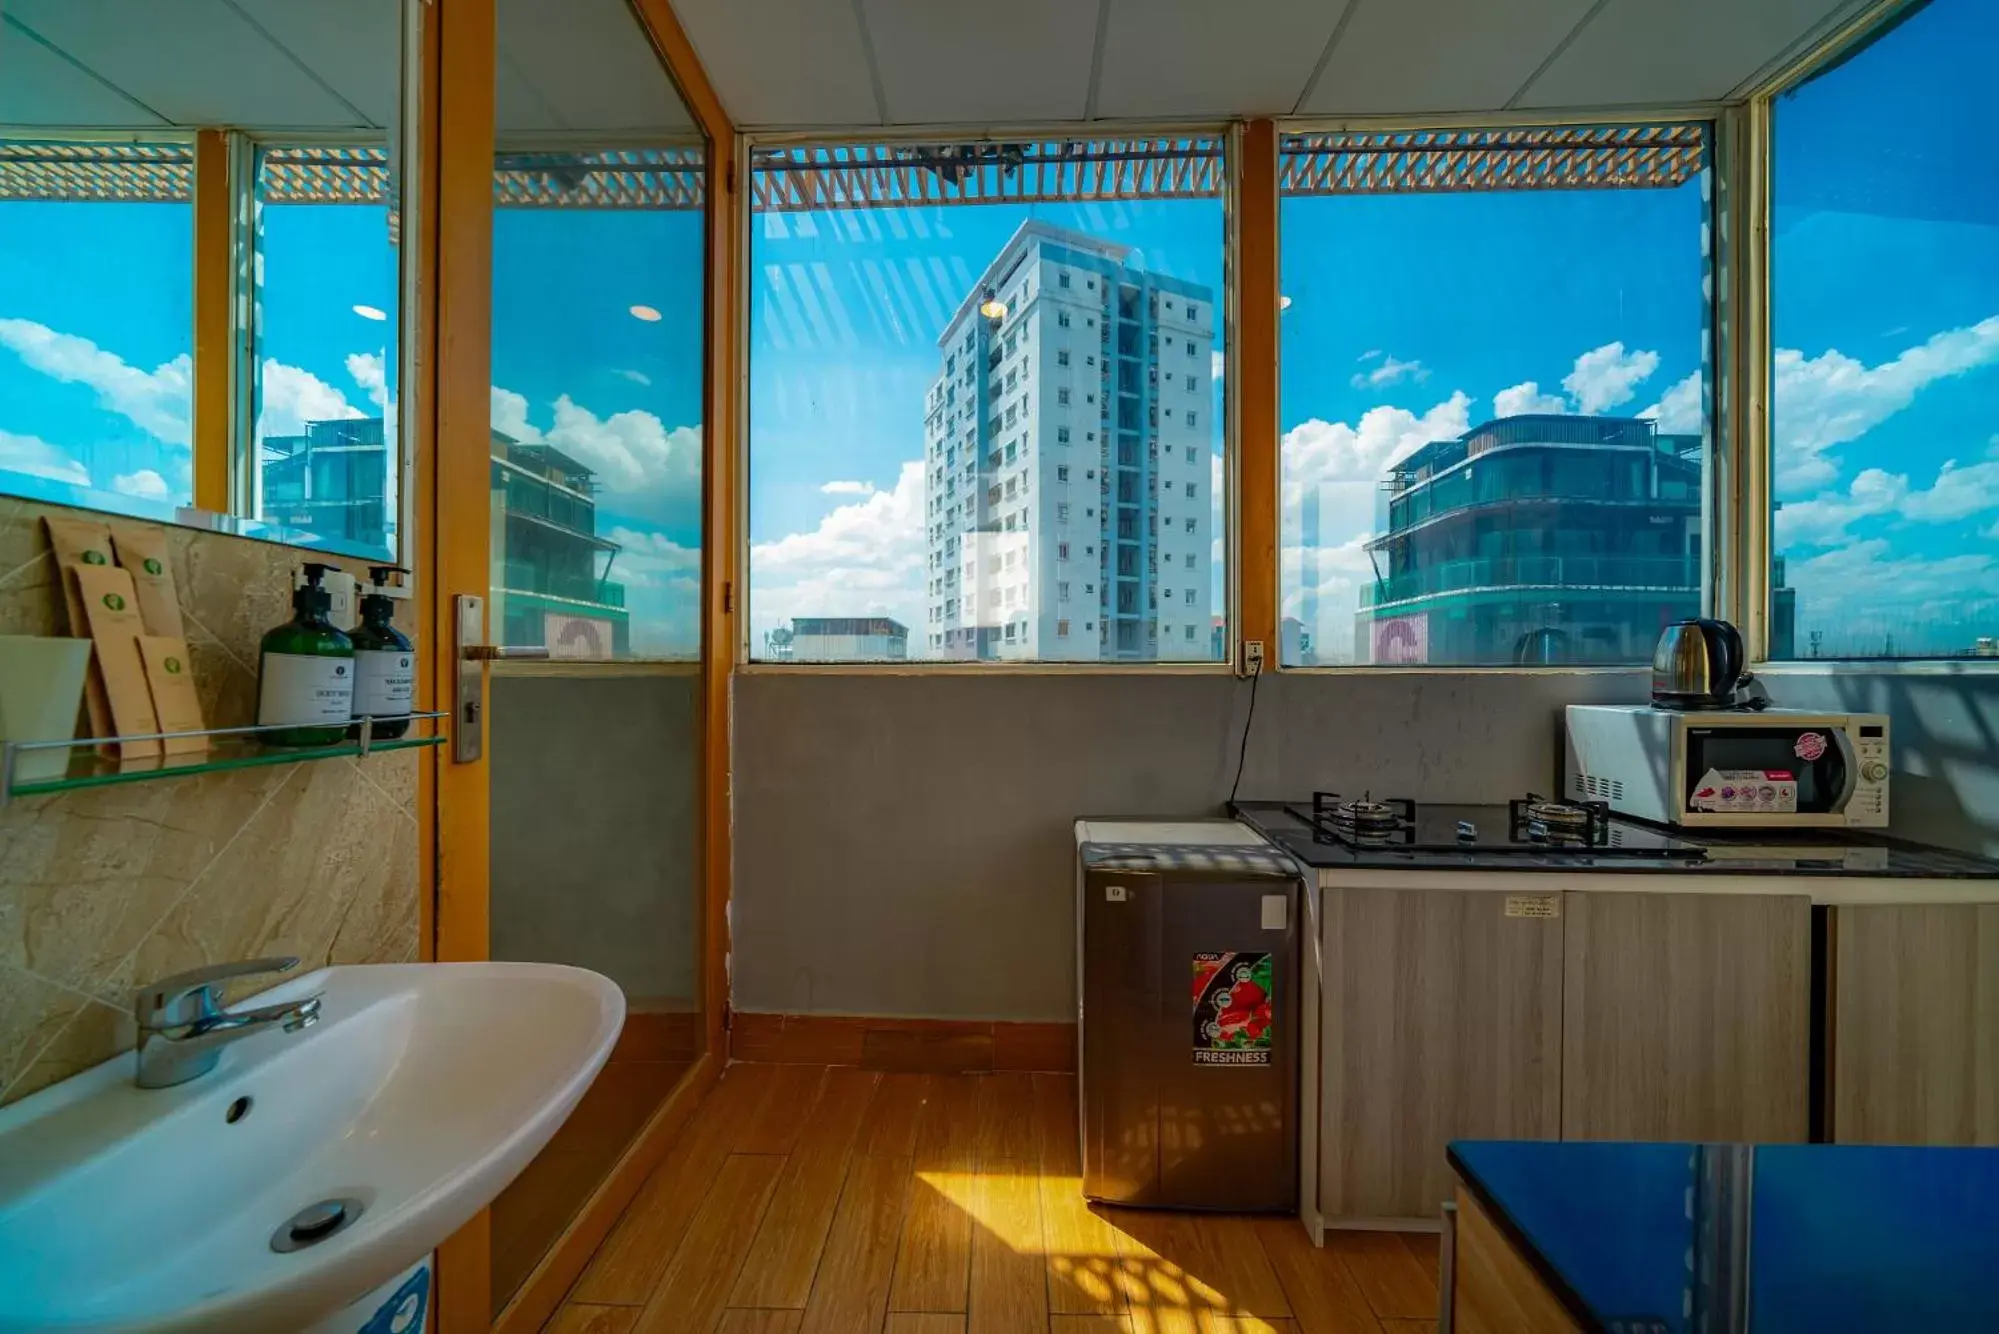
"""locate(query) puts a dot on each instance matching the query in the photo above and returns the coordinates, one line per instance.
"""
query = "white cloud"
(1959, 492)
(1861, 594)
(636, 377)
(159, 401)
(1526, 397)
(863, 559)
(662, 582)
(847, 489)
(291, 397)
(1607, 377)
(1389, 371)
(145, 484)
(38, 458)
(1369, 355)
(510, 417)
(1339, 468)
(1316, 452)
(1828, 400)
(649, 468)
(1678, 410)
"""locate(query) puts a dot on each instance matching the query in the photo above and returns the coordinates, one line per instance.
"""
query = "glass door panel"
(598, 283)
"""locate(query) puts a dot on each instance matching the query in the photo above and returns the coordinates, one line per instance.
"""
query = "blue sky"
(1411, 318)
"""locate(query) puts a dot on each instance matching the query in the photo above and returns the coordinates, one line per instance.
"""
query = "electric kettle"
(1699, 664)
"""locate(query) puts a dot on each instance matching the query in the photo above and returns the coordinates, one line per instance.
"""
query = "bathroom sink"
(422, 1091)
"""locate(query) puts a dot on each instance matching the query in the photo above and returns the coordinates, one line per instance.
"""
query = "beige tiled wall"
(104, 889)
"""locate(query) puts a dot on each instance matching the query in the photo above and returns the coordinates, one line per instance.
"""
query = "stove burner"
(1562, 823)
(1364, 821)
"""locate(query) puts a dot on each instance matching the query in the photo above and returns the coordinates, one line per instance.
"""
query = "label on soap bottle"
(305, 688)
(384, 682)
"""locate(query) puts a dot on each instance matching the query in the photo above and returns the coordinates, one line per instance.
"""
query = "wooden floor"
(845, 1201)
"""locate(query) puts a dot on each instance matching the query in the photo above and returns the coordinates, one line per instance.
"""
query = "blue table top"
(1708, 1238)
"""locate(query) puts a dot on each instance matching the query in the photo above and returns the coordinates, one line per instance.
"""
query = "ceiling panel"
(783, 62)
(38, 87)
(1637, 51)
(354, 48)
(1441, 55)
(196, 62)
(1211, 57)
(588, 65)
(956, 62)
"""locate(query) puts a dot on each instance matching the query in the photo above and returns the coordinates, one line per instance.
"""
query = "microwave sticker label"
(1232, 1018)
(1746, 791)
(1811, 745)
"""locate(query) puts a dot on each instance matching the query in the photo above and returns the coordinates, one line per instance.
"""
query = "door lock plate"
(468, 712)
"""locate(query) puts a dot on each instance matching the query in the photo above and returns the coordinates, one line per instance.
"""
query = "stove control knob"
(1467, 832)
(1874, 771)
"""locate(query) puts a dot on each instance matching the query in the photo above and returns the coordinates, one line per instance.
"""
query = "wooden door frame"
(451, 443)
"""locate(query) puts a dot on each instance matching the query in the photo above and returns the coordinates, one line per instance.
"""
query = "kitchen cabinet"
(1441, 1020)
(1686, 1016)
(1913, 1024)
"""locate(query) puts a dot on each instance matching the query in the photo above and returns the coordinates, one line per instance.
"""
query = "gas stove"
(1528, 826)
(1536, 833)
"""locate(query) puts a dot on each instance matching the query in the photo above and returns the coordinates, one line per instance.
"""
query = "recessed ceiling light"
(1284, 303)
(646, 313)
(371, 312)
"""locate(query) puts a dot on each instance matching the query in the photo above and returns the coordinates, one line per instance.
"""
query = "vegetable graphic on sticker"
(1232, 1008)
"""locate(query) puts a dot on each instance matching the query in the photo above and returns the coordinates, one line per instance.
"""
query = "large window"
(1885, 328)
(986, 402)
(1495, 402)
(97, 324)
(324, 320)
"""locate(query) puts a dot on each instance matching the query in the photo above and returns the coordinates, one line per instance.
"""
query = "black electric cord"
(1242, 752)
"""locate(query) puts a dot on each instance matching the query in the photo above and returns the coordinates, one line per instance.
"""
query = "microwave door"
(1818, 761)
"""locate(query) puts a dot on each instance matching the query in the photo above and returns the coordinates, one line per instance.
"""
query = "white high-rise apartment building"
(1068, 457)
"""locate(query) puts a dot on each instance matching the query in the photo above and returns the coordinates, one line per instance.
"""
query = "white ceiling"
(848, 63)
(564, 65)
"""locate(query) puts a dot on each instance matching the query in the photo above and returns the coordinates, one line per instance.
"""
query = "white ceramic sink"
(423, 1090)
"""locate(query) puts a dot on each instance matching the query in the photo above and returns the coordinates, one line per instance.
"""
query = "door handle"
(468, 707)
(506, 652)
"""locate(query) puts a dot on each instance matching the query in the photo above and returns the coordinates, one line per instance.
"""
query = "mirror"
(199, 273)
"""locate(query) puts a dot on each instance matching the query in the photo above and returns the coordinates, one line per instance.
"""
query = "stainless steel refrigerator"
(1189, 989)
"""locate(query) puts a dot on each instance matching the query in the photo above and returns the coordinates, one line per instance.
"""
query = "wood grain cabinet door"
(1442, 1021)
(1686, 1017)
(1915, 1024)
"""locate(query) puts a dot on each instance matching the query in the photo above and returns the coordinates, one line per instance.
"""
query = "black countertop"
(1645, 849)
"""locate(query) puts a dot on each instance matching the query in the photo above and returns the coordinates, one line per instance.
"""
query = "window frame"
(1752, 138)
(1229, 134)
(1724, 500)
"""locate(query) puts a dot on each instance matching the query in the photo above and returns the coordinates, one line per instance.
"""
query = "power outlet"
(1252, 659)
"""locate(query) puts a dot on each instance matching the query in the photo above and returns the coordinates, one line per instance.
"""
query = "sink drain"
(314, 1224)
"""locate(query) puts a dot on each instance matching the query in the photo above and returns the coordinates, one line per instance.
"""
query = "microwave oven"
(1778, 768)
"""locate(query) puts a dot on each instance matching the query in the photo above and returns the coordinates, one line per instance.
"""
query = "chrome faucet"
(183, 1027)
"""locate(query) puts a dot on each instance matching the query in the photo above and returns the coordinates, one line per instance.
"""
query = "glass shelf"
(93, 764)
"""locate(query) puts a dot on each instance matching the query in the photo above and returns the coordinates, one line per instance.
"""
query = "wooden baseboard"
(932, 1046)
(550, 1280)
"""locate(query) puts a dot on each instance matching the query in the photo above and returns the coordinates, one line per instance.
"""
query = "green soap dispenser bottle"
(384, 661)
(307, 672)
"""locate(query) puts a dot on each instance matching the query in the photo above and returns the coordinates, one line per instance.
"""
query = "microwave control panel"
(1868, 805)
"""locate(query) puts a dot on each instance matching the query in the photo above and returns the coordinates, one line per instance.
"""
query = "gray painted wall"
(593, 845)
(904, 845)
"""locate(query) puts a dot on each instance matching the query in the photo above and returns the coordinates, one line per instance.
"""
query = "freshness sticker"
(1773, 790)
(1232, 1019)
